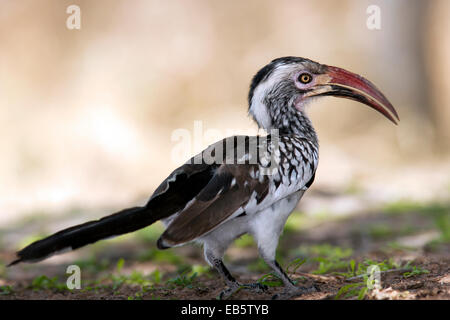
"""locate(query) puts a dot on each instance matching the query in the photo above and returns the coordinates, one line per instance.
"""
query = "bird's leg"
(267, 235)
(232, 283)
(291, 290)
(267, 240)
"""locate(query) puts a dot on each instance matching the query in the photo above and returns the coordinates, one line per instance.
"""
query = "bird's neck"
(290, 121)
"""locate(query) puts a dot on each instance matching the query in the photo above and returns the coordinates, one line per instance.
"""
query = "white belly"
(268, 222)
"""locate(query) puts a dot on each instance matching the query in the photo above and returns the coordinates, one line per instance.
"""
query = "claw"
(257, 287)
(226, 293)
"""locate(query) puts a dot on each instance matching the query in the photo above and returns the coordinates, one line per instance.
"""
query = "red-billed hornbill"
(215, 202)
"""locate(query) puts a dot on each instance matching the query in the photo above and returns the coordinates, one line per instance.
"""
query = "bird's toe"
(226, 293)
(256, 287)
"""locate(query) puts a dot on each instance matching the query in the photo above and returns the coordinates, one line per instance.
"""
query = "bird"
(240, 184)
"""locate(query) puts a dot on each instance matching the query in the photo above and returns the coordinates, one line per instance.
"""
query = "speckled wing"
(225, 195)
(187, 181)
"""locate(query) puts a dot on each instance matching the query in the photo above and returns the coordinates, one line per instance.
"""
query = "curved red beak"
(345, 84)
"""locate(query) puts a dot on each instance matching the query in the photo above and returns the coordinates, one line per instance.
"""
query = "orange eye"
(305, 78)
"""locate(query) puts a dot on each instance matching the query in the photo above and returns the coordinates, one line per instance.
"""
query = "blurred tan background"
(87, 116)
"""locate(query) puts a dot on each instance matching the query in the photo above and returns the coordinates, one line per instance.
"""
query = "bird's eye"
(305, 78)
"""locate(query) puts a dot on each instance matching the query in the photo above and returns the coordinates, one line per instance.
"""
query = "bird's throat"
(291, 121)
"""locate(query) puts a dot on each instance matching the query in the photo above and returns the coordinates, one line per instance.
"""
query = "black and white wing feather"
(225, 196)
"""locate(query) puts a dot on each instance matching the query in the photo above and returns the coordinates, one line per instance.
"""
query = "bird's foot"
(253, 287)
(293, 292)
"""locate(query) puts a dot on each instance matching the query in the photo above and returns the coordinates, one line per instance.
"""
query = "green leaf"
(296, 263)
(415, 271)
(362, 293)
(270, 280)
(345, 289)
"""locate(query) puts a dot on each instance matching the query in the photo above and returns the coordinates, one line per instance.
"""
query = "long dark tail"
(127, 220)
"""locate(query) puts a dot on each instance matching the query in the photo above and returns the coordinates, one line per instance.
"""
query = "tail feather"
(125, 221)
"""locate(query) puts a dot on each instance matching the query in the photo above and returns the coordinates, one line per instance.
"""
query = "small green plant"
(45, 283)
(136, 278)
(270, 280)
(361, 268)
(361, 271)
(415, 270)
(293, 266)
(6, 290)
(329, 258)
(351, 290)
(184, 280)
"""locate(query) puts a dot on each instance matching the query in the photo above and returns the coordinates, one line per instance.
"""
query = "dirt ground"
(408, 242)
